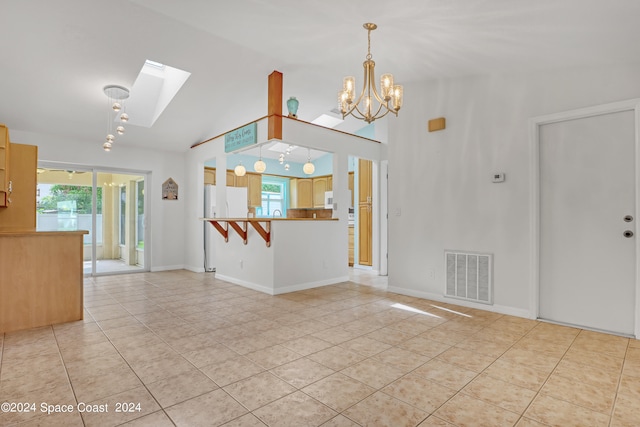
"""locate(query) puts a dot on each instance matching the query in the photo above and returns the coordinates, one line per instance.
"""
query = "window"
(123, 215)
(273, 197)
(140, 215)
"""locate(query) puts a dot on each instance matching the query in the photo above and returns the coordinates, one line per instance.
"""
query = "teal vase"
(292, 106)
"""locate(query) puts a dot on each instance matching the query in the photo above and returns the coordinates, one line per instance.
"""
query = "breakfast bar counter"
(280, 255)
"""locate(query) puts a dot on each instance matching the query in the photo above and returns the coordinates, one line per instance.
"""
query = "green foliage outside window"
(61, 193)
(271, 188)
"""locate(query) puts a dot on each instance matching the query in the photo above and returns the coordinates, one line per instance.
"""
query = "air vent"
(469, 276)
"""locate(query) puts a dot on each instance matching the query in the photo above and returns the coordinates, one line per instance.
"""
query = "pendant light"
(308, 167)
(240, 170)
(260, 166)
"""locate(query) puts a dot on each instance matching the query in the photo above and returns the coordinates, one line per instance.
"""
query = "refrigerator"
(236, 206)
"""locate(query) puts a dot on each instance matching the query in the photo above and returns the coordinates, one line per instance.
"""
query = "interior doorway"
(587, 199)
(109, 204)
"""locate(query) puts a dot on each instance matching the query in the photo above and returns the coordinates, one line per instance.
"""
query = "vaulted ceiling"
(56, 56)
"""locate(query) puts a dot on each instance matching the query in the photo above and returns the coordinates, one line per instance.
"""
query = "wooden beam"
(242, 231)
(222, 230)
(275, 106)
(266, 234)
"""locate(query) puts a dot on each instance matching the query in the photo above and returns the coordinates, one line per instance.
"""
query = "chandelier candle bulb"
(386, 86)
(397, 97)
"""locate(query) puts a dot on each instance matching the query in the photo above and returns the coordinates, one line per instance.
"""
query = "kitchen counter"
(280, 255)
(41, 278)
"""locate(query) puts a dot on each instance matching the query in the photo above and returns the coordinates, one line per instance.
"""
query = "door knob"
(628, 218)
(628, 233)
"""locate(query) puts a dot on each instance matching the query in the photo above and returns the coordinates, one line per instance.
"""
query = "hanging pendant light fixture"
(260, 166)
(240, 170)
(116, 96)
(308, 167)
(389, 100)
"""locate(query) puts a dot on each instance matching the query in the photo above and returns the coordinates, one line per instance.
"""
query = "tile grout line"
(615, 399)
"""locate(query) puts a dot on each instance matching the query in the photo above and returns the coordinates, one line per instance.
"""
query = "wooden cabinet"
(351, 186)
(301, 192)
(40, 278)
(320, 186)
(252, 181)
(242, 181)
(21, 213)
(309, 192)
(4, 166)
(351, 246)
(254, 189)
(231, 179)
(365, 217)
(209, 175)
(364, 235)
(364, 181)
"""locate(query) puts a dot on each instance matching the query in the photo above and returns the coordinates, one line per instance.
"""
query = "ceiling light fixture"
(240, 170)
(389, 98)
(260, 166)
(308, 167)
(116, 96)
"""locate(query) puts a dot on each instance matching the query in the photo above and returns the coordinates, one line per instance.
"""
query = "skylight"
(154, 64)
(155, 87)
(327, 120)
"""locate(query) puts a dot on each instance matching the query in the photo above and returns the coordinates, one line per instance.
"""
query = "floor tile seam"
(2, 353)
(250, 411)
(580, 405)
(615, 400)
(540, 393)
(562, 376)
(64, 366)
(455, 392)
(591, 384)
(459, 391)
(393, 397)
(140, 379)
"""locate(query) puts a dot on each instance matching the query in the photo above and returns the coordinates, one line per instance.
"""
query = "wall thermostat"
(498, 177)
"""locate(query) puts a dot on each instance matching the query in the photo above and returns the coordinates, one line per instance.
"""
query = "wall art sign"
(169, 190)
(241, 137)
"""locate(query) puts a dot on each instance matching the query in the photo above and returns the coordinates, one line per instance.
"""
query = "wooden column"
(275, 105)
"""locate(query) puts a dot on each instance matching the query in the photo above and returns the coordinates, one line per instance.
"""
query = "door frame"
(534, 144)
(95, 170)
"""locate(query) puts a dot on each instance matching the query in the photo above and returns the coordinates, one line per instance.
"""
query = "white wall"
(441, 181)
(165, 218)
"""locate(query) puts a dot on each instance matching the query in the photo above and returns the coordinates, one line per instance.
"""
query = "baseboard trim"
(283, 290)
(502, 309)
(167, 268)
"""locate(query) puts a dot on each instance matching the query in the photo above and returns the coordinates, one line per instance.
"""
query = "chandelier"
(389, 100)
(116, 96)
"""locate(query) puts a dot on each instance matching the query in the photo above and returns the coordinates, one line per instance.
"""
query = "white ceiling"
(56, 56)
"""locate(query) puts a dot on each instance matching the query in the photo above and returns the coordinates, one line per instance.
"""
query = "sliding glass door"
(109, 204)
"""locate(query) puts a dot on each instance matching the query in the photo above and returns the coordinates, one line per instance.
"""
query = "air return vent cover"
(469, 276)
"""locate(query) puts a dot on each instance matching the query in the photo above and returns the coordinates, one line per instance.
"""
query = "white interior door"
(587, 188)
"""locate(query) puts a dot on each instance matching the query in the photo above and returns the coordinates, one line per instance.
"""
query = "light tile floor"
(185, 349)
